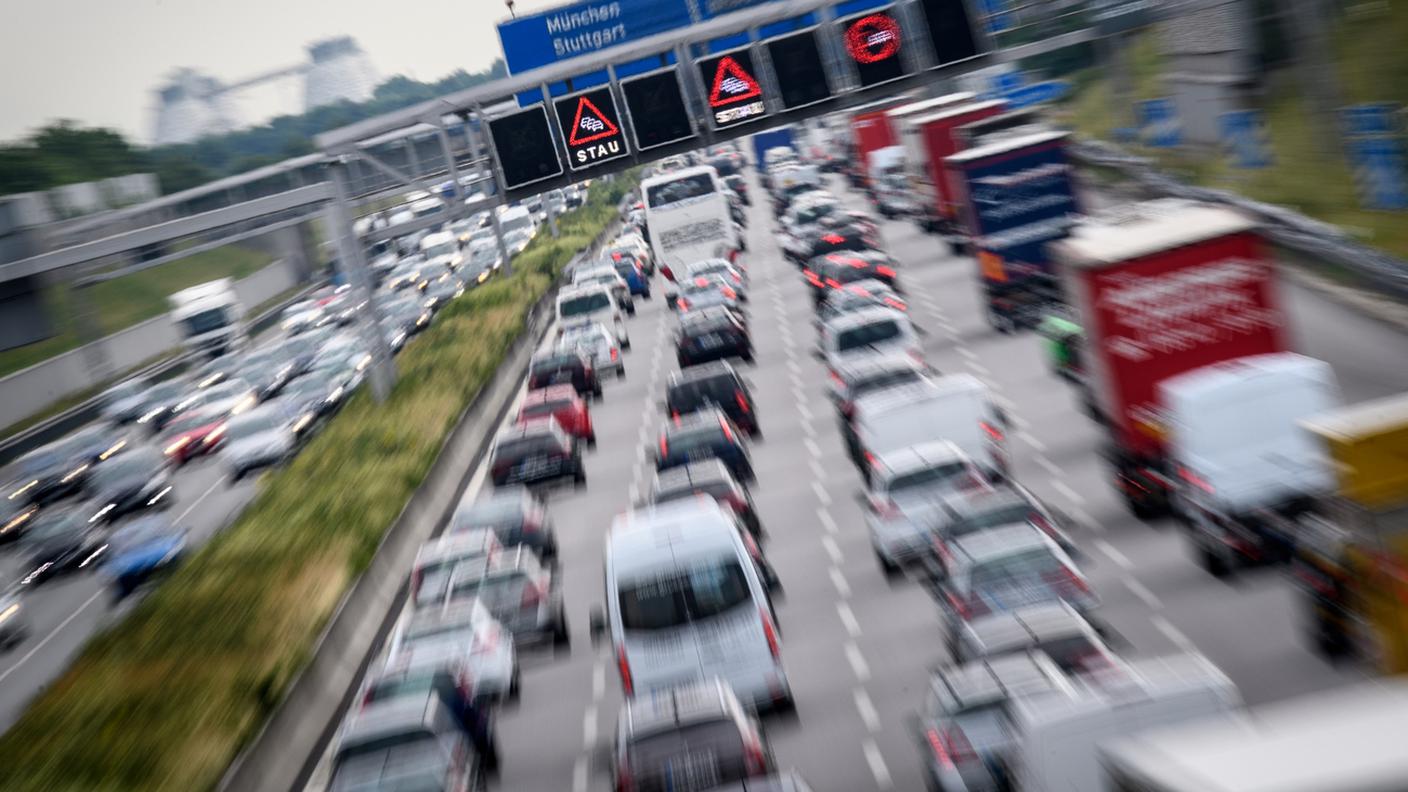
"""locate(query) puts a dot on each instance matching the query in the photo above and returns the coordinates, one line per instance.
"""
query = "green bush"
(167, 699)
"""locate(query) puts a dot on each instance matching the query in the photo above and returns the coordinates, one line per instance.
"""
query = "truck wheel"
(1218, 564)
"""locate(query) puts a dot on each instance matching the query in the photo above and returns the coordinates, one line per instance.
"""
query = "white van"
(957, 408)
(685, 602)
(441, 250)
(589, 305)
(518, 225)
(879, 331)
(688, 216)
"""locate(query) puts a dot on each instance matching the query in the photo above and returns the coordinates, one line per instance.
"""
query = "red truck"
(1161, 288)
(929, 139)
(870, 131)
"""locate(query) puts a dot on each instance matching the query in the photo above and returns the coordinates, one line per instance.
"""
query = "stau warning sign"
(591, 127)
(735, 94)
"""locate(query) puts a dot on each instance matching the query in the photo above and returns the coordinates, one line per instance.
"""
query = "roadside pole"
(352, 260)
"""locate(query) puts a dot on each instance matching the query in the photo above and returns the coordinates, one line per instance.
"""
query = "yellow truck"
(1352, 555)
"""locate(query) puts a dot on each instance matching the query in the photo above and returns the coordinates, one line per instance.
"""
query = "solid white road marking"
(817, 470)
(1070, 494)
(1031, 440)
(848, 619)
(1114, 554)
(877, 765)
(858, 665)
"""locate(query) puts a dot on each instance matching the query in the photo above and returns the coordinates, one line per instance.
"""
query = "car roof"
(866, 316)
(968, 502)
(995, 679)
(394, 716)
(664, 710)
(669, 533)
(862, 366)
(531, 429)
(704, 471)
(921, 456)
(703, 371)
(924, 390)
(550, 393)
(1004, 540)
(1028, 625)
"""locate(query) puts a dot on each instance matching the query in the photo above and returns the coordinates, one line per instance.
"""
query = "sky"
(100, 61)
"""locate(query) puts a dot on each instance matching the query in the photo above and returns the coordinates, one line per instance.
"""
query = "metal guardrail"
(1285, 227)
(47, 431)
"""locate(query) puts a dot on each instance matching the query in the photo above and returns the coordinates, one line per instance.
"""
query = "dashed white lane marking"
(1049, 466)
(848, 619)
(812, 447)
(866, 708)
(827, 521)
(967, 353)
(1174, 634)
(839, 581)
(1142, 592)
(817, 470)
(598, 680)
(978, 367)
(1031, 440)
(579, 775)
(792, 364)
(877, 765)
(633, 495)
(1070, 494)
(1083, 517)
(1120, 559)
(589, 728)
(802, 409)
(821, 493)
(996, 388)
(808, 429)
(832, 549)
(858, 665)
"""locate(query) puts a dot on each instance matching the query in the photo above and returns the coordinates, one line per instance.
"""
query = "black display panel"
(950, 30)
(733, 90)
(873, 42)
(524, 145)
(796, 60)
(658, 114)
(591, 128)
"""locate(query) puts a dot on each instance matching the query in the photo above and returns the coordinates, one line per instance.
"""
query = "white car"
(879, 331)
(590, 304)
(596, 340)
(611, 279)
(458, 632)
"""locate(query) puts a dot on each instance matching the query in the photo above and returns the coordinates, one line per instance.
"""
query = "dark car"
(787, 782)
(534, 453)
(693, 737)
(62, 540)
(839, 240)
(157, 402)
(15, 516)
(515, 515)
(714, 338)
(130, 482)
(61, 469)
(141, 550)
(704, 435)
(713, 386)
(562, 366)
(712, 478)
(832, 272)
(739, 184)
(857, 296)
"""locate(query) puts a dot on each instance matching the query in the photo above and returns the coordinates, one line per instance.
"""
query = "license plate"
(535, 466)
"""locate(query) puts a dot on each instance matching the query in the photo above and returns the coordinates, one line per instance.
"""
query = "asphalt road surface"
(858, 647)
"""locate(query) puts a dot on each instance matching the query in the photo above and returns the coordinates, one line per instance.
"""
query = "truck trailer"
(928, 140)
(209, 317)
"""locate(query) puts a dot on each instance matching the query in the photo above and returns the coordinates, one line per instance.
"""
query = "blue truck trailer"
(762, 141)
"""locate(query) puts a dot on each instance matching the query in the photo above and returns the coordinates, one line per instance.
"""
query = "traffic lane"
(1160, 599)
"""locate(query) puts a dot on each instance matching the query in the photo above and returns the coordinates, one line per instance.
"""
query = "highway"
(858, 647)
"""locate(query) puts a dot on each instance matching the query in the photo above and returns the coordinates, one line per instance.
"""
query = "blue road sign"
(1006, 82)
(1244, 138)
(1159, 125)
(1379, 118)
(1037, 93)
(995, 15)
(1379, 171)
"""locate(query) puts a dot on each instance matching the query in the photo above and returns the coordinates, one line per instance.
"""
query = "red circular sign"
(873, 38)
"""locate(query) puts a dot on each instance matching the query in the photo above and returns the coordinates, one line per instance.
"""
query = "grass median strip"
(166, 699)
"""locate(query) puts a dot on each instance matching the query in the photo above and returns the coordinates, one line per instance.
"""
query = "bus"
(688, 216)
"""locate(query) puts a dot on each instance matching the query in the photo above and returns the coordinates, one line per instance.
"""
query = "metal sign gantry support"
(352, 261)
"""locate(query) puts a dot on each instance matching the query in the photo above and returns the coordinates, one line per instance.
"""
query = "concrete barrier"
(30, 390)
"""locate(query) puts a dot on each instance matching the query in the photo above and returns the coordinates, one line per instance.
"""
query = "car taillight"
(614, 353)
(812, 277)
(532, 595)
(682, 304)
(833, 283)
(885, 272)
(950, 746)
(728, 433)
(960, 606)
(489, 643)
(869, 459)
(938, 748)
(770, 631)
(836, 379)
(896, 304)
(1195, 480)
(992, 431)
(753, 756)
(742, 401)
(664, 447)
(624, 667)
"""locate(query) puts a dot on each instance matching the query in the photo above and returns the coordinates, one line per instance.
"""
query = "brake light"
(833, 239)
(701, 281)
(682, 304)
(896, 304)
(1039, 520)
(614, 353)
(833, 283)
(836, 379)
(742, 401)
(729, 293)
(885, 272)
(532, 595)
(992, 431)
(870, 459)
(664, 447)
(860, 291)
(624, 667)
(959, 605)
(728, 433)
(770, 632)
(916, 356)
(940, 751)
(1195, 480)
(887, 509)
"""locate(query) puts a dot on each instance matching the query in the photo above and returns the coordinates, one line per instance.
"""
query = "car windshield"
(546, 407)
(554, 363)
(500, 591)
(680, 596)
(693, 394)
(584, 304)
(400, 762)
(882, 381)
(681, 189)
(688, 440)
(138, 462)
(533, 445)
(927, 478)
(418, 684)
(1009, 570)
(867, 334)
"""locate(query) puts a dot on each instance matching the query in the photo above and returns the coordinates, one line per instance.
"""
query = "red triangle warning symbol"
(589, 124)
(732, 84)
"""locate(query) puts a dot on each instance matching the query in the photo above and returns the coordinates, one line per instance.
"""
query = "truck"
(929, 139)
(870, 131)
(773, 138)
(1241, 464)
(1161, 287)
(1344, 740)
(209, 317)
(971, 134)
(1015, 194)
(1351, 553)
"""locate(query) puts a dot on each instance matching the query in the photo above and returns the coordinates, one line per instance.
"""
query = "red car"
(193, 434)
(562, 403)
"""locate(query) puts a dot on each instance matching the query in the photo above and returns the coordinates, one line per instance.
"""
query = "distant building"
(340, 71)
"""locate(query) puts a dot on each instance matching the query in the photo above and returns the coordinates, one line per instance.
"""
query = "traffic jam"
(694, 505)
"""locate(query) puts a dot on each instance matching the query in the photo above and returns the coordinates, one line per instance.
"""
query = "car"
(591, 303)
(712, 478)
(717, 337)
(607, 277)
(521, 593)
(454, 633)
(717, 386)
(686, 600)
(852, 379)
(735, 275)
(905, 488)
(564, 366)
(313, 397)
(141, 549)
(856, 296)
(535, 453)
(693, 736)
(597, 341)
(957, 408)
(962, 731)
(739, 185)
(630, 270)
(437, 558)
(230, 395)
(826, 241)
(707, 434)
(122, 403)
(15, 625)
(15, 515)
(1053, 628)
(1005, 568)
(1003, 503)
(453, 684)
(412, 742)
(561, 404)
(707, 291)
(62, 539)
(157, 401)
(194, 433)
(872, 332)
(440, 291)
(632, 247)
(516, 516)
(61, 469)
(831, 272)
(267, 372)
(133, 481)
(259, 438)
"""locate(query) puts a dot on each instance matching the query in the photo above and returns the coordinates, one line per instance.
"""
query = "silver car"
(14, 619)
(258, 438)
(452, 634)
(596, 341)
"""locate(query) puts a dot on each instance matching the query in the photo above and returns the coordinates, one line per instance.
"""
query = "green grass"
(166, 699)
(1373, 67)
(123, 302)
